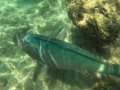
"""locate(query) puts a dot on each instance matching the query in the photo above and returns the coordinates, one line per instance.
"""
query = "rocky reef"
(99, 19)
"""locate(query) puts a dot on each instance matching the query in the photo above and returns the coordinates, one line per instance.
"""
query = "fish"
(62, 55)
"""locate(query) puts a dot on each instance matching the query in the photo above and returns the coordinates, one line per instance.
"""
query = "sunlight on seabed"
(44, 17)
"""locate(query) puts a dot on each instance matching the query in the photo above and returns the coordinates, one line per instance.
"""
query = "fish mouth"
(18, 38)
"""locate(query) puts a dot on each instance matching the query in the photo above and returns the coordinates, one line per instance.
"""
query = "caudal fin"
(113, 69)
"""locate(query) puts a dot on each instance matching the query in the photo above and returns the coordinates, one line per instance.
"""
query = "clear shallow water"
(46, 17)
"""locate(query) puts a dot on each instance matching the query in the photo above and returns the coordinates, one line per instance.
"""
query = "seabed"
(50, 18)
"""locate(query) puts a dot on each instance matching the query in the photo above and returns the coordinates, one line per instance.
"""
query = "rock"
(98, 19)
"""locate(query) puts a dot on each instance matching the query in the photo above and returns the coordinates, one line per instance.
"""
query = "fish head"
(27, 43)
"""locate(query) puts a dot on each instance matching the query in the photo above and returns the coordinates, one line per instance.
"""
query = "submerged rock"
(98, 19)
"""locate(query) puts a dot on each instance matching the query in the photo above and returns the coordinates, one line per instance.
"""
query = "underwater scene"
(59, 44)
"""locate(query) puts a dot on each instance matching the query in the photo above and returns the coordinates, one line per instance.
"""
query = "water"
(45, 17)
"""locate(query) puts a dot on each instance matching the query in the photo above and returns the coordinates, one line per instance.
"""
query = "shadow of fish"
(62, 55)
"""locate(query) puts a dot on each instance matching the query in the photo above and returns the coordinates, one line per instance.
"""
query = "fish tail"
(113, 69)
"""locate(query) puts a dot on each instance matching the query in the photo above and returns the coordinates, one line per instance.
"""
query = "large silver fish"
(62, 55)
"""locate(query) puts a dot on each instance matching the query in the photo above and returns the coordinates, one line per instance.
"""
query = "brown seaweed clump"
(99, 19)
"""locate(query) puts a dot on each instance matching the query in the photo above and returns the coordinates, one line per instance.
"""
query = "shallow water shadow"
(81, 39)
(74, 79)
